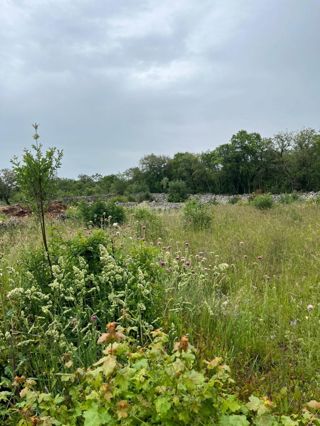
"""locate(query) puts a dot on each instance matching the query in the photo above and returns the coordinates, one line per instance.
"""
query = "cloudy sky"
(112, 80)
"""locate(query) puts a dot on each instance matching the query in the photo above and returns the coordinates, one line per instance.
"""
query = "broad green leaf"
(266, 420)
(230, 404)
(163, 405)
(255, 404)
(233, 420)
(287, 421)
(94, 417)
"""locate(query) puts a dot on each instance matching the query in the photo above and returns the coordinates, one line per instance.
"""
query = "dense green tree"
(249, 162)
(177, 191)
(305, 156)
(7, 184)
(154, 167)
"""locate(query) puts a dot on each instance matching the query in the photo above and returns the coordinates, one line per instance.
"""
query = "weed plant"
(262, 202)
(147, 223)
(197, 215)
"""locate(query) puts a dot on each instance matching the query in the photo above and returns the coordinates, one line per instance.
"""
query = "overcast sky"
(112, 80)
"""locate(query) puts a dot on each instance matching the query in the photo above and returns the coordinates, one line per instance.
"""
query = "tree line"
(286, 162)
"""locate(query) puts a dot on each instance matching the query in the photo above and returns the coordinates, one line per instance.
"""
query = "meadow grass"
(257, 304)
(263, 314)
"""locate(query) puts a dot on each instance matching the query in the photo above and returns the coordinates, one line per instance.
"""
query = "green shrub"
(87, 248)
(263, 202)
(197, 215)
(92, 284)
(73, 213)
(119, 199)
(139, 197)
(102, 214)
(288, 198)
(177, 191)
(151, 385)
(35, 262)
(142, 196)
(234, 199)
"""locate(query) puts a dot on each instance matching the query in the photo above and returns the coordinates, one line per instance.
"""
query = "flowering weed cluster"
(44, 321)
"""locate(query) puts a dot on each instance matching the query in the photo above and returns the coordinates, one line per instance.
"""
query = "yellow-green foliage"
(131, 385)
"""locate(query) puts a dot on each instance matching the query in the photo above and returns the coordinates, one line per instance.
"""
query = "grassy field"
(246, 288)
(262, 313)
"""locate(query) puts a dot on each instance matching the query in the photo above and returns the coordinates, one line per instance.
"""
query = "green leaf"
(255, 404)
(163, 405)
(266, 420)
(287, 421)
(94, 417)
(195, 377)
(230, 404)
(4, 395)
(233, 420)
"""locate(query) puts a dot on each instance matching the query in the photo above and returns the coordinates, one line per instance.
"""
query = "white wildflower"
(223, 266)
(18, 291)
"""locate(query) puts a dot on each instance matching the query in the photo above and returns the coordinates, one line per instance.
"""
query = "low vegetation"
(263, 202)
(102, 214)
(239, 283)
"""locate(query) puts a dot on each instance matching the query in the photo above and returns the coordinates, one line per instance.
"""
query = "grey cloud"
(111, 80)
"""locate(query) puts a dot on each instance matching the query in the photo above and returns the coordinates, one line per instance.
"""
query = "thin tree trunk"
(44, 236)
(43, 228)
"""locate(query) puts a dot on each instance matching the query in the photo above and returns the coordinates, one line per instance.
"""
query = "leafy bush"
(288, 198)
(73, 213)
(234, 199)
(138, 192)
(119, 199)
(87, 248)
(177, 191)
(92, 284)
(263, 202)
(130, 385)
(142, 196)
(197, 215)
(35, 263)
(102, 213)
(139, 197)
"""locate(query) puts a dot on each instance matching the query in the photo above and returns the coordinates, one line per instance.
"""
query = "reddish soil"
(56, 208)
